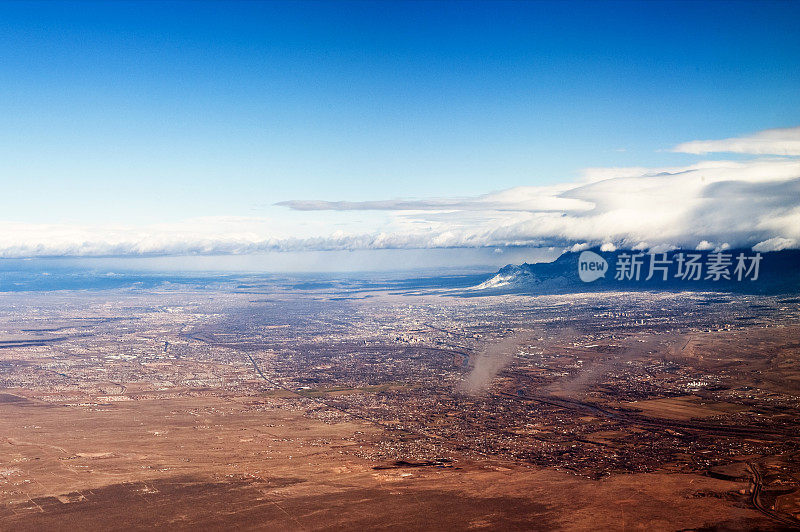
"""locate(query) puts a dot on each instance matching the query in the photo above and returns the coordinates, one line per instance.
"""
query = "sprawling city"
(273, 402)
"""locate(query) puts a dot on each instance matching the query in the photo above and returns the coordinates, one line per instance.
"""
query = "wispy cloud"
(783, 141)
(516, 199)
(707, 204)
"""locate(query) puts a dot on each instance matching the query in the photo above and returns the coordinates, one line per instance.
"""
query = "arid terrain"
(269, 404)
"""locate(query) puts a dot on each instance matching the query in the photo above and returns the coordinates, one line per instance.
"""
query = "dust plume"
(491, 361)
(667, 347)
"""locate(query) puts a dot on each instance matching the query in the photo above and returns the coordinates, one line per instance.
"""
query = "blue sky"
(148, 113)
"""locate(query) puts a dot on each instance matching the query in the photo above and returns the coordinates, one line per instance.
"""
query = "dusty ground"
(231, 462)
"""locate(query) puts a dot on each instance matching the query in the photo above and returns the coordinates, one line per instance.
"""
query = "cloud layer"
(783, 141)
(708, 204)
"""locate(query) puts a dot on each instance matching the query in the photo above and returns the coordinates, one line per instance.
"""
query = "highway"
(755, 499)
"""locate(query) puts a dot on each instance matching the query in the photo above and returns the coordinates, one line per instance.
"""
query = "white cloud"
(775, 244)
(579, 247)
(707, 205)
(545, 198)
(783, 141)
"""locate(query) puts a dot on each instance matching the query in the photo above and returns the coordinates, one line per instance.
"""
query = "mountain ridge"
(729, 270)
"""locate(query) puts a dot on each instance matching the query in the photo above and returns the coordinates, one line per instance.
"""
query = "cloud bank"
(783, 141)
(716, 203)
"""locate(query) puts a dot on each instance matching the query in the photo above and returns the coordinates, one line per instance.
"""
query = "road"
(755, 499)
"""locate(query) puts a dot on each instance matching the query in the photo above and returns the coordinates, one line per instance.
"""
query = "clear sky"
(147, 113)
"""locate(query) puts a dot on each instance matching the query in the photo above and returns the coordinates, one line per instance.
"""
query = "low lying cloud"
(710, 204)
(783, 141)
